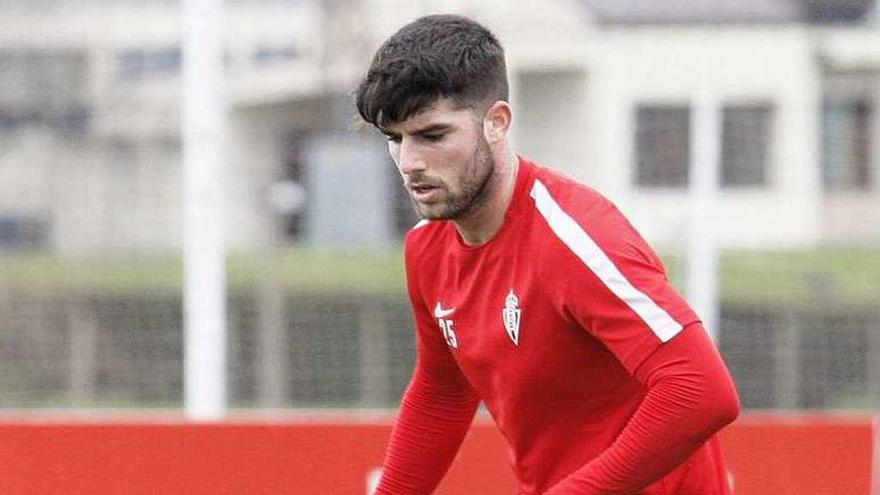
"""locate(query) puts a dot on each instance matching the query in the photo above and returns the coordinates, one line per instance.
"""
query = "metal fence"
(71, 349)
(90, 169)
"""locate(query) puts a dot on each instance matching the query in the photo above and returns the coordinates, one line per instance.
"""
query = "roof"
(73, 4)
(729, 11)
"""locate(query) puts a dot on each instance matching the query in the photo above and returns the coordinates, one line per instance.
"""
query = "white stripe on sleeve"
(585, 248)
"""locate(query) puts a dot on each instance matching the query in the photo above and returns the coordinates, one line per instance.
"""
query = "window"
(44, 88)
(140, 63)
(266, 55)
(662, 145)
(745, 137)
(846, 144)
(22, 232)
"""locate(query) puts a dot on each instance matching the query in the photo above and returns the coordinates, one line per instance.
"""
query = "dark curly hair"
(433, 57)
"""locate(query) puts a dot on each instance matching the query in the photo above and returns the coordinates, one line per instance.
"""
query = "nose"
(409, 159)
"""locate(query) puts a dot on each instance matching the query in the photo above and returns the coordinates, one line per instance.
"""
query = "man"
(533, 294)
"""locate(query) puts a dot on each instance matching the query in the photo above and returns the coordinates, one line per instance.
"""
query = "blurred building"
(89, 116)
(602, 89)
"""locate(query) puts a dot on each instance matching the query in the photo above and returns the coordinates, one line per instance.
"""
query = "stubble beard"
(474, 189)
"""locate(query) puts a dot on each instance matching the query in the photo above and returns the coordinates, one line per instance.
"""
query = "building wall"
(575, 86)
(852, 60)
(585, 125)
(115, 184)
(851, 216)
(664, 65)
(550, 117)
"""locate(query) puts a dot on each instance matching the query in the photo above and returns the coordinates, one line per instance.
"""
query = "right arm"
(430, 427)
(435, 413)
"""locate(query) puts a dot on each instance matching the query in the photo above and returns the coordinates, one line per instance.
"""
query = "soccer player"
(533, 294)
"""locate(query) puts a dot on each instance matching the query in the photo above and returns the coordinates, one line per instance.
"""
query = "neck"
(480, 224)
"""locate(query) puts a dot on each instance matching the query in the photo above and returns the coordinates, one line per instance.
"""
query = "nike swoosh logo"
(439, 312)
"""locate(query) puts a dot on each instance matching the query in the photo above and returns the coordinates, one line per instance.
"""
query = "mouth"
(423, 192)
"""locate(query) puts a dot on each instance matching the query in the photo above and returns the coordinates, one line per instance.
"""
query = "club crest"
(511, 316)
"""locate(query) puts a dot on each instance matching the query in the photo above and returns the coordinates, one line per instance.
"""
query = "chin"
(431, 215)
(435, 213)
(440, 210)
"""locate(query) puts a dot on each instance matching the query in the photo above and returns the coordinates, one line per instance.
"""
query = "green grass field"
(297, 268)
(847, 275)
(833, 274)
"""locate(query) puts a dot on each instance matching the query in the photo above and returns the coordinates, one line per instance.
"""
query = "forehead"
(442, 112)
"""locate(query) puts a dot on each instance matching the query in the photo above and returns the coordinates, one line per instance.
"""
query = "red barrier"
(776, 455)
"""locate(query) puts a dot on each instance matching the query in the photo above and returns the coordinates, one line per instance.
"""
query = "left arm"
(607, 278)
(690, 397)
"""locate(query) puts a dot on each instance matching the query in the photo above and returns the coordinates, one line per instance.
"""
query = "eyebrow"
(433, 128)
(439, 127)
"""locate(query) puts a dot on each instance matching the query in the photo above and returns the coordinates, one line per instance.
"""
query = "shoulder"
(422, 237)
(584, 221)
(422, 233)
(550, 185)
(565, 203)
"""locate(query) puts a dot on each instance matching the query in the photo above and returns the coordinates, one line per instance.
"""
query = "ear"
(496, 123)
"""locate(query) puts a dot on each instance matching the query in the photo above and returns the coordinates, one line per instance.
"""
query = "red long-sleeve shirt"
(596, 371)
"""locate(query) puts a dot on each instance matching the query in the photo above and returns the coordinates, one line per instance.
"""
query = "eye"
(432, 138)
